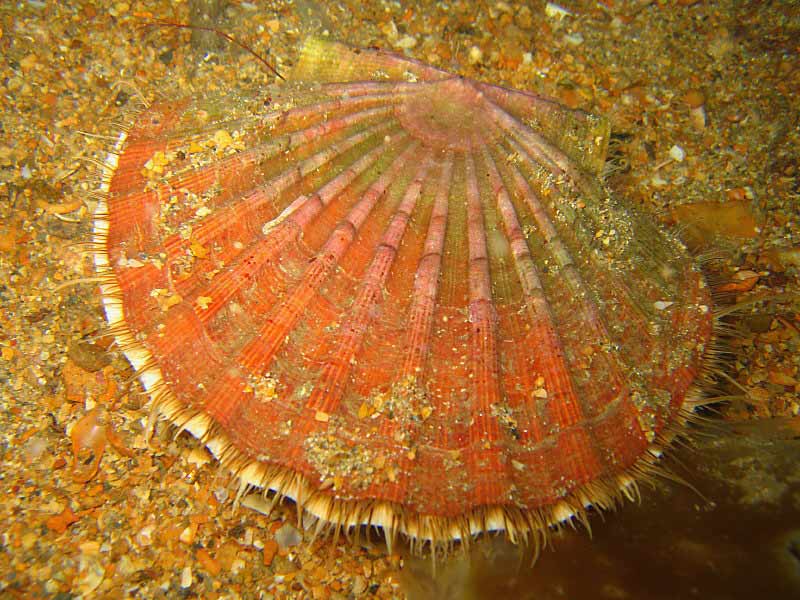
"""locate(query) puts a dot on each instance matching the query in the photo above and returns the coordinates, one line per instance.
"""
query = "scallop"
(400, 297)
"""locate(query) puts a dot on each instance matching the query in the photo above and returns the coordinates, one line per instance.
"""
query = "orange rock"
(208, 563)
(88, 435)
(199, 518)
(227, 554)
(49, 99)
(8, 239)
(25, 436)
(95, 490)
(79, 383)
(61, 522)
(694, 98)
(270, 550)
(59, 209)
(570, 97)
(736, 194)
(745, 281)
(170, 534)
(780, 378)
(705, 221)
(320, 573)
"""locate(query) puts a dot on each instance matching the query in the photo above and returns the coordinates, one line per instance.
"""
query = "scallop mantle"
(399, 297)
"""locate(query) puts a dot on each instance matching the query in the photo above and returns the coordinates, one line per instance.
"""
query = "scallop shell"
(400, 297)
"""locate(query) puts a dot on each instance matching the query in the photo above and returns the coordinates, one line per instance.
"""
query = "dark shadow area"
(743, 542)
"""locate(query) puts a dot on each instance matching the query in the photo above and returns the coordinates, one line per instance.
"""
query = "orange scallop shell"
(400, 297)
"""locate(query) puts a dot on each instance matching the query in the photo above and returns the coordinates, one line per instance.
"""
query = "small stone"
(574, 39)
(187, 535)
(284, 568)
(29, 538)
(697, 116)
(359, 585)
(90, 574)
(524, 18)
(745, 275)
(125, 566)
(157, 163)
(197, 249)
(28, 62)
(320, 592)
(34, 449)
(131, 263)
(721, 45)
(145, 536)
(364, 410)
(257, 503)
(222, 139)
(677, 153)
(406, 42)
(287, 536)
(227, 555)
(475, 55)
(554, 11)
(89, 357)
(237, 565)
(120, 8)
(186, 577)
(694, 98)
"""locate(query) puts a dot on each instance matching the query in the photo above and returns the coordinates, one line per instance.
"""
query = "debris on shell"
(400, 297)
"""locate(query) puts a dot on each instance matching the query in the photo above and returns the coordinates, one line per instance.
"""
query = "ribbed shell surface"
(403, 288)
